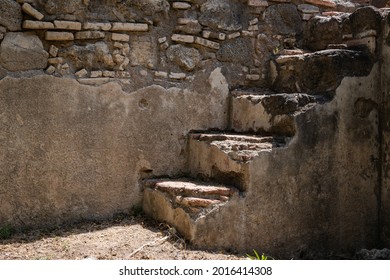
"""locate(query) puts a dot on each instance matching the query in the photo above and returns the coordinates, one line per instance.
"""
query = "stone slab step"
(268, 113)
(226, 157)
(190, 188)
(317, 72)
(241, 148)
(184, 203)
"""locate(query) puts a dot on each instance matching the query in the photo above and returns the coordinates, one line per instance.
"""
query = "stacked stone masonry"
(237, 87)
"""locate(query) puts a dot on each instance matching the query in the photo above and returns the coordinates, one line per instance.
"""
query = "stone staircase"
(260, 121)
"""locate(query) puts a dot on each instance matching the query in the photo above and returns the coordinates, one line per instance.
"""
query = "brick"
(31, 24)
(183, 38)
(67, 25)
(257, 3)
(322, 3)
(129, 26)
(177, 76)
(161, 74)
(90, 35)
(110, 74)
(233, 35)
(59, 36)
(253, 77)
(96, 74)
(97, 26)
(181, 5)
(185, 21)
(120, 37)
(207, 43)
(28, 9)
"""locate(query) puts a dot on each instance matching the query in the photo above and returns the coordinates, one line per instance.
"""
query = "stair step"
(190, 188)
(320, 71)
(183, 203)
(269, 113)
(226, 157)
(241, 148)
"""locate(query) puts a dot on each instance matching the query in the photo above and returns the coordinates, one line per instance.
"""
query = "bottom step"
(184, 202)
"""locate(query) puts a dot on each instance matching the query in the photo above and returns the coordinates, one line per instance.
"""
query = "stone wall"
(97, 95)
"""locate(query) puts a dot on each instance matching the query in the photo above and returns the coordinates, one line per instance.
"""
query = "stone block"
(56, 60)
(183, 38)
(96, 74)
(50, 70)
(22, 52)
(233, 35)
(31, 24)
(181, 5)
(90, 35)
(67, 25)
(129, 26)
(53, 51)
(160, 74)
(28, 9)
(59, 36)
(207, 43)
(120, 37)
(177, 76)
(10, 15)
(105, 26)
(322, 3)
(81, 73)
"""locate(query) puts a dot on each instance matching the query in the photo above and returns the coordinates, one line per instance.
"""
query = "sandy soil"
(125, 238)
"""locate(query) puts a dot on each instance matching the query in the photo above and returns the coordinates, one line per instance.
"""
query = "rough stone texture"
(186, 58)
(321, 71)
(221, 14)
(89, 56)
(21, 52)
(367, 18)
(93, 170)
(236, 51)
(323, 31)
(11, 15)
(62, 7)
(284, 19)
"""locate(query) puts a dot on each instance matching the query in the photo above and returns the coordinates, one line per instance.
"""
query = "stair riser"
(158, 206)
(250, 117)
(208, 161)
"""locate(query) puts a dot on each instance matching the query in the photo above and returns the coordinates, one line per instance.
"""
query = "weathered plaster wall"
(70, 151)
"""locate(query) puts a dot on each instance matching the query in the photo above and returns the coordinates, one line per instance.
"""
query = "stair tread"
(240, 147)
(194, 187)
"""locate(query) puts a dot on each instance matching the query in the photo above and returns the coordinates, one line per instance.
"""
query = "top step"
(318, 72)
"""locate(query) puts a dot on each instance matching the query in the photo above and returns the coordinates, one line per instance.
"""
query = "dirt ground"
(125, 238)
